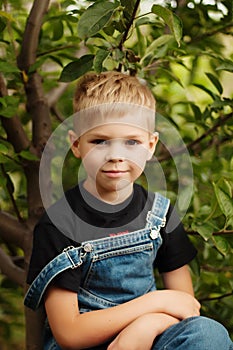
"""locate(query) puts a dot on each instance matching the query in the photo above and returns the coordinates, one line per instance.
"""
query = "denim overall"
(114, 269)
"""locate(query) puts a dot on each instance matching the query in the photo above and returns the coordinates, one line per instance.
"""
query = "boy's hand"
(178, 304)
(140, 334)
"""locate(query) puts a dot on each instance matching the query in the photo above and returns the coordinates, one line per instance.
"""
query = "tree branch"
(215, 269)
(207, 34)
(129, 24)
(219, 233)
(217, 298)
(221, 121)
(10, 189)
(126, 32)
(36, 102)
(27, 56)
(9, 269)
(37, 105)
(11, 230)
(192, 145)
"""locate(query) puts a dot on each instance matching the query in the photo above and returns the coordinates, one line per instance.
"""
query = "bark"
(29, 47)
(38, 108)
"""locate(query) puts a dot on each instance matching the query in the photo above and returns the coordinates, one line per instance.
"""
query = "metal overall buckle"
(82, 255)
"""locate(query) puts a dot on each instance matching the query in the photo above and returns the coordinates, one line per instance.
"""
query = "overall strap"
(71, 257)
(156, 217)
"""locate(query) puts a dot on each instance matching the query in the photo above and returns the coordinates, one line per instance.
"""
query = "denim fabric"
(118, 270)
(194, 333)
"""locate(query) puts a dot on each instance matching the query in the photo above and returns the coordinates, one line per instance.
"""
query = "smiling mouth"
(114, 173)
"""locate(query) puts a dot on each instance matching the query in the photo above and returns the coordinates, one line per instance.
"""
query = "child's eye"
(100, 142)
(132, 142)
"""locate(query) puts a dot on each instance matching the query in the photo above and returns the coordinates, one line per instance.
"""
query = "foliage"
(183, 50)
(11, 316)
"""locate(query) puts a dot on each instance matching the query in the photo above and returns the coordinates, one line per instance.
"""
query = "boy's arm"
(140, 334)
(179, 279)
(73, 330)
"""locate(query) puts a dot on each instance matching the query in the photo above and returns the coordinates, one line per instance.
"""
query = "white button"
(153, 233)
(88, 247)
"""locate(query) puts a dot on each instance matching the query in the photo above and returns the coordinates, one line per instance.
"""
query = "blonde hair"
(110, 87)
(106, 97)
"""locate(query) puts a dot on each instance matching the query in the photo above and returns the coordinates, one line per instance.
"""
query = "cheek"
(137, 169)
(139, 157)
(93, 161)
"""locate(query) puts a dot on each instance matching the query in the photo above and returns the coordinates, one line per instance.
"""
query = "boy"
(97, 258)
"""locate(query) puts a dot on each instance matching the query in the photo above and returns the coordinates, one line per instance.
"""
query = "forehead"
(112, 114)
(116, 130)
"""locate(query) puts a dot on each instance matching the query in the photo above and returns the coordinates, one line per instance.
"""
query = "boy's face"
(114, 156)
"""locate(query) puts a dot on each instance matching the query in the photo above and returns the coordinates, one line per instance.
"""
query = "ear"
(74, 143)
(153, 140)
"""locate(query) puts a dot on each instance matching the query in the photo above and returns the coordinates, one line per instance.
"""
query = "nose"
(115, 153)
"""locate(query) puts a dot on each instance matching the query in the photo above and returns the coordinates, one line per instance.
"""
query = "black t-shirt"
(80, 217)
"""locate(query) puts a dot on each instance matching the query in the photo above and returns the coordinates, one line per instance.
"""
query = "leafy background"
(183, 49)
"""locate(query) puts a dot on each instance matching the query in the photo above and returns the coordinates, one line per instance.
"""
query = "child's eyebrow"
(128, 136)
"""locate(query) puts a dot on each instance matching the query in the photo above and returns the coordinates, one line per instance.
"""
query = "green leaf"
(226, 186)
(9, 184)
(161, 41)
(2, 24)
(196, 111)
(226, 65)
(3, 158)
(6, 67)
(7, 16)
(171, 19)
(3, 148)
(170, 75)
(209, 92)
(26, 154)
(3, 181)
(128, 6)
(77, 68)
(8, 106)
(58, 30)
(95, 18)
(141, 42)
(221, 244)
(142, 21)
(214, 80)
(195, 267)
(224, 200)
(220, 104)
(100, 56)
(204, 229)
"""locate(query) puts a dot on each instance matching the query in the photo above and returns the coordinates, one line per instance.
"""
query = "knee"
(211, 333)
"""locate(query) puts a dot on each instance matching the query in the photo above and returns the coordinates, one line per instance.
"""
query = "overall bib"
(114, 270)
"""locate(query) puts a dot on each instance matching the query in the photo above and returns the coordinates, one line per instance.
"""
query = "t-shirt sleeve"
(176, 249)
(48, 242)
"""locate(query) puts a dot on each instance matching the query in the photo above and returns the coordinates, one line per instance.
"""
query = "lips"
(114, 173)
